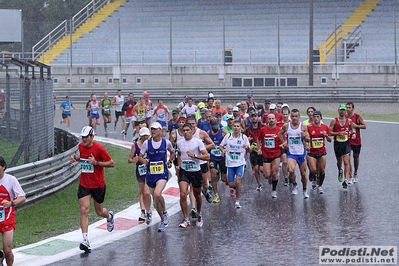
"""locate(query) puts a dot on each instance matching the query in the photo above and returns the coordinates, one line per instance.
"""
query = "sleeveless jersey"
(141, 169)
(215, 153)
(120, 100)
(157, 167)
(141, 113)
(294, 140)
(106, 103)
(339, 128)
(358, 140)
(94, 107)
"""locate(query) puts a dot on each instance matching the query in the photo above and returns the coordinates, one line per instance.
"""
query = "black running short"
(98, 194)
(194, 178)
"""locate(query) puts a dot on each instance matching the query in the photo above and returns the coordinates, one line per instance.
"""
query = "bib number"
(294, 141)
(142, 169)
(254, 146)
(86, 166)
(106, 108)
(317, 143)
(188, 165)
(216, 152)
(270, 143)
(2, 214)
(67, 108)
(342, 138)
(235, 156)
(156, 168)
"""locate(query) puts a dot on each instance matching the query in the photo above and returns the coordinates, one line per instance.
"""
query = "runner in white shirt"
(189, 108)
(118, 102)
(234, 146)
(191, 152)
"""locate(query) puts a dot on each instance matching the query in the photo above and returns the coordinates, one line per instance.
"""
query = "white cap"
(156, 125)
(272, 106)
(144, 131)
(235, 109)
(229, 117)
(86, 131)
(285, 105)
(210, 95)
(238, 104)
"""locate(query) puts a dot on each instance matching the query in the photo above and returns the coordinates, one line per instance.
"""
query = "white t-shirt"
(195, 146)
(235, 155)
(187, 110)
(120, 100)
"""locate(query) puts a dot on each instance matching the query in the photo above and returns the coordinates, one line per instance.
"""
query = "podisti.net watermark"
(358, 254)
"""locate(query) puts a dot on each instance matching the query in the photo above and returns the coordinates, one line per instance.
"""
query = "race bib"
(142, 169)
(156, 168)
(121, 102)
(254, 146)
(342, 138)
(216, 152)
(188, 165)
(317, 142)
(67, 108)
(128, 120)
(86, 166)
(235, 156)
(270, 143)
(149, 113)
(141, 116)
(161, 117)
(294, 141)
(107, 108)
(2, 214)
(95, 110)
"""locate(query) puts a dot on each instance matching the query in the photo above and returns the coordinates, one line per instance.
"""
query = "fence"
(26, 114)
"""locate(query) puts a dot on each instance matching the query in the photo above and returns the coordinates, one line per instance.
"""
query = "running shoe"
(123, 132)
(200, 222)
(161, 227)
(216, 199)
(345, 184)
(305, 194)
(341, 175)
(350, 180)
(286, 182)
(237, 205)
(294, 190)
(85, 246)
(274, 194)
(110, 222)
(207, 195)
(232, 193)
(314, 184)
(142, 217)
(259, 187)
(148, 218)
(355, 178)
(193, 213)
(186, 223)
(320, 190)
(165, 218)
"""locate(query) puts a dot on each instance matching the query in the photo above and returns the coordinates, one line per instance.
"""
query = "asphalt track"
(283, 231)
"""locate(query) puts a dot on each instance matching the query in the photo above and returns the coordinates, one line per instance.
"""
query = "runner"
(340, 128)
(270, 151)
(118, 102)
(141, 171)
(93, 158)
(11, 195)
(173, 123)
(230, 122)
(88, 111)
(229, 111)
(283, 167)
(218, 108)
(251, 102)
(356, 144)
(65, 107)
(106, 110)
(255, 159)
(182, 104)
(316, 158)
(309, 112)
(234, 145)
(129, 117)
(94, 107)
(297, 135)
(217, 159)
(148, 105)
(161, 115)
(191, 151)
(157, 175)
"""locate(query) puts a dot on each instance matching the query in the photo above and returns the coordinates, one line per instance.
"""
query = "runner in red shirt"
(270, 151)
(255, 159)
(316, 158)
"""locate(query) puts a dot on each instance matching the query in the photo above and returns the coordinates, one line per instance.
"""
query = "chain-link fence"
(26, 113)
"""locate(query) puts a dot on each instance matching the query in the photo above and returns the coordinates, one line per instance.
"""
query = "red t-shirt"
(270, 142)
(339, 128)
(10, 189)
(92, 176)
(317, 140)
(254, 134)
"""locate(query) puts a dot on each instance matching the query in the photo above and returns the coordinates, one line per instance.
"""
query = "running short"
(118, 113)
(222, 166)
(232, 172)
(96, 116)
(65, 116)
(104, 114)
(98, 194)
(152, 182)
(356, 148)
(6, 227)
(163, 123)
(269, 160)
(317, 156)
(341, 148)
(299, 158)
(204, 167)
(194, 178)
(255, 158)
(283, 151)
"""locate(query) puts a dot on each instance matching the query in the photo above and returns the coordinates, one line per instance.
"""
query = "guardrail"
(43, 178)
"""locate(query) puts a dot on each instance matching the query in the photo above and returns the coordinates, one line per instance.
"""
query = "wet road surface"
(283, 231)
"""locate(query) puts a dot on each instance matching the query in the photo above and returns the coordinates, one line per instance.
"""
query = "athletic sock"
(274, 184)
(321, 179)
(85, 236)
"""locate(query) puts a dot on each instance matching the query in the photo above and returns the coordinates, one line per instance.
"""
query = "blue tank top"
(157, 167)
(216, 154)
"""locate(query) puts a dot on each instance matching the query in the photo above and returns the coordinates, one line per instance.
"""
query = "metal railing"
(64, 28)
(43, 178)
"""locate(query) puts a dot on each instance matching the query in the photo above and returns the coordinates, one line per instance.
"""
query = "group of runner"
(207, 142)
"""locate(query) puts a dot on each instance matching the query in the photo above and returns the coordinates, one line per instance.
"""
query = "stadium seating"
(251, 31)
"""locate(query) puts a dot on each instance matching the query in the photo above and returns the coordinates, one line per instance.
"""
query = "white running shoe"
(186, 223)
(305, 194)
(110, 222)
(274, 194)
(294, 190)
(320, 190)
(237, 205)
(200, 221)
(85, 246)
(148, 218)
(142, 217)
(355, 178)
(166, 219)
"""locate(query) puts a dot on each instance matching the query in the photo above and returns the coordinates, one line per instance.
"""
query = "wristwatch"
(195, 156)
